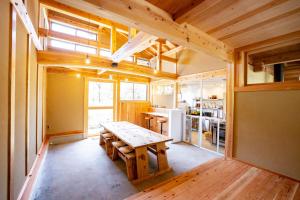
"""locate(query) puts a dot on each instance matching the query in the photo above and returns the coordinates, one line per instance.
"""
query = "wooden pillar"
(158, 53)
(113, 40)
(99, 41)
(132, 33)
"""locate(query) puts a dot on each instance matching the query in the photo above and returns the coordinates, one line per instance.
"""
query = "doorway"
(100, 105)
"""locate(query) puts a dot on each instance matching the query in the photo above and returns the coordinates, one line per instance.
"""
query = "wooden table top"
(159, 114)
(133, 135)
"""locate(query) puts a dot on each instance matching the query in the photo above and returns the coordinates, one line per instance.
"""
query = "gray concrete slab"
(82, 170)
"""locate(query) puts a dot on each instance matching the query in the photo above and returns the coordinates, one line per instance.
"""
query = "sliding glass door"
(100, 104)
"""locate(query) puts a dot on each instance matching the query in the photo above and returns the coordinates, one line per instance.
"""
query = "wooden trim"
(151, 19)
(101, 107)
(31, 179)
(229, 110)
(204, 75)
(27, 102)
(63, 59)
(23, 15)
(65, 133)
(11, 102)
(293, 85)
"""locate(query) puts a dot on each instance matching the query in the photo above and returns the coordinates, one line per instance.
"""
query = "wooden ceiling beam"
(48, 33)
(173, 51)
(139, 43)
(66, 19)
(86, 16)
(149, 18)
(63, 59)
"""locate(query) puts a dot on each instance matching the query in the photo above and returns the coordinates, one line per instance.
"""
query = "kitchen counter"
(159, 114)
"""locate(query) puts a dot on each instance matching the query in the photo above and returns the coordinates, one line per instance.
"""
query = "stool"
(108, 139)
(161, 121)
(130, 161)
(148, 118)
(116, 145)
(101, 141)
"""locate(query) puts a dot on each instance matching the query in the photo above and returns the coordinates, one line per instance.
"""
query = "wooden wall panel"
(20, 108)
(132, 111)
(4, 94)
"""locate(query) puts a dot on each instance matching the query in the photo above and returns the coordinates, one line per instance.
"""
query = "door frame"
(86, 100)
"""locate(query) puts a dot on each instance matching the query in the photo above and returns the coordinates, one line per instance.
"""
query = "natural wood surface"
(133, 135)
(223, 179)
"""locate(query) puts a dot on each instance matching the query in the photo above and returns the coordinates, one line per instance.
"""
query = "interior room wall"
(161, 97)
(266, 130)
(191, 62)
(65, 103)
(24, 112)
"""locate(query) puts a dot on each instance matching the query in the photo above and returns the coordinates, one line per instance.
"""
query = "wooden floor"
(220, 179)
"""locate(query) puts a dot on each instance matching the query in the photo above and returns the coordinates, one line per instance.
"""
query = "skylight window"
(143, 62)
(85, 34)
(105, 53)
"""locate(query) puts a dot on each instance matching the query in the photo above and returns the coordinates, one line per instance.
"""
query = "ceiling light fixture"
(87, 59)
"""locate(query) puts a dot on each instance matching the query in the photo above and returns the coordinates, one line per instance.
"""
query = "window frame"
(133, 83)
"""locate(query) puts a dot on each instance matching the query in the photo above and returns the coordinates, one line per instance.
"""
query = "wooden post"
(113, 40)
(99, 42)
(132, 33)
(158, 53)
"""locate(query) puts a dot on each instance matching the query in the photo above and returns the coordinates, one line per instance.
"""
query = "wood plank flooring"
(223, 179)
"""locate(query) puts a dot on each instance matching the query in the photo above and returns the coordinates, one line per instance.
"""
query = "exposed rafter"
(148, 18)
(139, 43)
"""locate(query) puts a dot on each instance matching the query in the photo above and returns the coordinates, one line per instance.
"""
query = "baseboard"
(65, 133)
(33, 174)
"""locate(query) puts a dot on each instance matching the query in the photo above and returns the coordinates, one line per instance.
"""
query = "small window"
(63, 29)
(133, 91)
(105, 53)
(85, 49)
(143, 62)
(129, 59)
(62, 45)
(85, 34)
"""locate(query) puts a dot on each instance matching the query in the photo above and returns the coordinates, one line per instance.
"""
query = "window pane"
(85, 34)
(62, 45)
(63, 29)
(100, 94)
(85, 49)
(126, 91)
(96, 116)
(140, 91)
(105, 53)
(129, 59)
(144, 62)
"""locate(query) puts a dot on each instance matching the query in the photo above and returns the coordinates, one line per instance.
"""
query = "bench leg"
(101, 141)
(108, 147)
(131, 169)
(114, 154)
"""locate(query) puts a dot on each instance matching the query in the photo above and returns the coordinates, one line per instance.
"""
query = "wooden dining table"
(140, 139)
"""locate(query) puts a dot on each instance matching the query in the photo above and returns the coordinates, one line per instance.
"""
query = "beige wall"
(65, 103)
(267, 130)
(24, 112)
(191, 62)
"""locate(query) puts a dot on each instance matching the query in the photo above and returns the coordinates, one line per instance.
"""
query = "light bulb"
(87, 60)
(78, 75)
(155, 71)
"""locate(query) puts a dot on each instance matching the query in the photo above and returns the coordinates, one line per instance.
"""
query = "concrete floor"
(82, 170)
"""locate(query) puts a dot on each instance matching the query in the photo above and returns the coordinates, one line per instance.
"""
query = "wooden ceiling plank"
(186, 8)
(139, 43)
(262, 23)
(87, 16)
(148, 18)
(200, 8)
(56, 58)
(271, 42)
(251, 13)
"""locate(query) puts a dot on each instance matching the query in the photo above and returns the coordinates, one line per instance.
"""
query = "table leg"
(142, 162)
(162, 160)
